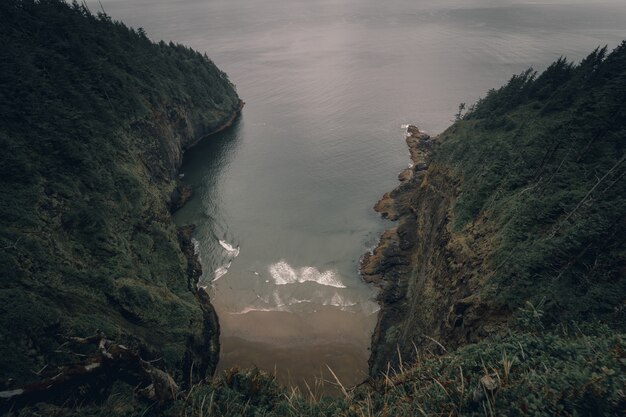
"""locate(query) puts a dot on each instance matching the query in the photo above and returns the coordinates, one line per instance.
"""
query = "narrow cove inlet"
(289, 208)
(282, 201)
(288, 316)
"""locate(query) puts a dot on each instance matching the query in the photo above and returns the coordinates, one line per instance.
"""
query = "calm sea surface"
(283, 200)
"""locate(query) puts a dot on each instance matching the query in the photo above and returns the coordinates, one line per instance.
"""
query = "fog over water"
(283, 201)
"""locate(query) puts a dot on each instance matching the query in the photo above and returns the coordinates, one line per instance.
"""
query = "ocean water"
(283, 200)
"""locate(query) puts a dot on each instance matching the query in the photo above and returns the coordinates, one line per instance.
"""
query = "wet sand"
(297, 346)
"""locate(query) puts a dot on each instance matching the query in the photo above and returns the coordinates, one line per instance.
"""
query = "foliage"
(571, 370)
(93, 116)
(542, 165)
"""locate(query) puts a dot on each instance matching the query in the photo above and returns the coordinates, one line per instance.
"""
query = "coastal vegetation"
(517, 219)
(94, 118)
(542, 163)
(502, 293)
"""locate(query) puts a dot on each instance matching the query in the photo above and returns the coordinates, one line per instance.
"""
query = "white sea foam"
(277, 300)
(374, 311)
(283, 274)
(196, 246)
(280, 305)
(221, 271)
(232, 250)
(251, 309)
(293, 301)
(338, 301)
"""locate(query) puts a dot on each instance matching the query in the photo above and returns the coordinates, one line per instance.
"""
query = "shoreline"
(392, 258)
(392, 206)
(181, 194)
(221, 126)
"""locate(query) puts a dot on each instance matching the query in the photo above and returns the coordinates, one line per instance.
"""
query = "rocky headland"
(502, 216)
(425, 295)
(98, 285)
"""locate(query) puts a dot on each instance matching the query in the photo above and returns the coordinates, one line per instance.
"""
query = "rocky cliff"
(95, 118)
(518, 205)
(428, 276)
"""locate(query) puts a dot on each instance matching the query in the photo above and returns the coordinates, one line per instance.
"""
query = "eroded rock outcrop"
(427, 274)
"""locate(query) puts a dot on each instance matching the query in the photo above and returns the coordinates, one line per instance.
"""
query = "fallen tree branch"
(114, 361)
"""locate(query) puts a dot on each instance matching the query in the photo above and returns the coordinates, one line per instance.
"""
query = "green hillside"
(542, 163)
(93, 121)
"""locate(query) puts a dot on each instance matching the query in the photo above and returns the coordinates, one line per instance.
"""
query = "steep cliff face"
(95, 119)
(520, 203)
(171, 129)
(429, 275)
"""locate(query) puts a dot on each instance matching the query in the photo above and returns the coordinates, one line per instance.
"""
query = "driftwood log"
(111, 361)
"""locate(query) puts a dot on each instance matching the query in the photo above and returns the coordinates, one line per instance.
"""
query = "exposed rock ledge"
(182, 193)
(207, 348)
(428, 276)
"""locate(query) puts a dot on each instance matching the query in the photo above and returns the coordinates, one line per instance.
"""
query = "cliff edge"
(519, 203)
(95, 119)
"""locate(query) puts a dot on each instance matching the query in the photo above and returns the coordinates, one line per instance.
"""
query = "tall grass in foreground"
(569, 370)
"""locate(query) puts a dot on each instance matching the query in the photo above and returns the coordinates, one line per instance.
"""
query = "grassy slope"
(532, 372)
(523, 202)
(93, 119)
(542, 165)
(576, 370)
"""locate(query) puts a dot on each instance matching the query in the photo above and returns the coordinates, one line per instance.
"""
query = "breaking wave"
(232, 253)
(221, 271)
(230, 249)
(338, 301)
(283, 274)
